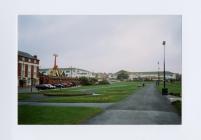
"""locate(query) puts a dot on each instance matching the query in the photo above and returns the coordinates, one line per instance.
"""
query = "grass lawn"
(104, 93)
(24, 96)
(54, 115)
(173, 88)
(177, 105)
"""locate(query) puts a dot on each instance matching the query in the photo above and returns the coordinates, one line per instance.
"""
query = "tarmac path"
(145, 106)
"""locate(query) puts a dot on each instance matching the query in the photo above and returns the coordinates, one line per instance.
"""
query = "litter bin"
(164, 91)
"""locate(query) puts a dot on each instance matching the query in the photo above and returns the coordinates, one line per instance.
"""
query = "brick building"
(28, 69)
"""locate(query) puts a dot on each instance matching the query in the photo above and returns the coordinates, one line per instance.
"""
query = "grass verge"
(104, 93)
(24, 96)
(177, 105)
(173, 88)
(28, 114)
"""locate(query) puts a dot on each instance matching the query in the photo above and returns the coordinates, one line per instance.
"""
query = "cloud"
(103, 43)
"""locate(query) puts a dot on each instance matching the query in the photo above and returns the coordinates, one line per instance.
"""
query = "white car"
(51, 86)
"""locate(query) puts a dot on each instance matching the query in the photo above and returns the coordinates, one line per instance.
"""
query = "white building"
(72, 72)
(76, 72)
(150, 75)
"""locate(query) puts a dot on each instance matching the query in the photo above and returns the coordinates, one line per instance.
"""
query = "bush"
(93, 81)
(103, 82)
(87, 81)
(22, 82)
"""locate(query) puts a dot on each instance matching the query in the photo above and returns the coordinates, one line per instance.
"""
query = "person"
(157, 83)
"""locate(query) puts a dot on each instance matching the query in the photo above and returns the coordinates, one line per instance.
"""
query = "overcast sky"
(103, 43)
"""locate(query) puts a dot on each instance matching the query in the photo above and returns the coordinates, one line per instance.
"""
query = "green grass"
(177, 105)
(106, 93)
(173, 88)
(54, 115)
(24, 96)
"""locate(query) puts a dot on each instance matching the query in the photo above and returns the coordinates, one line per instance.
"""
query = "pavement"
(145, 106)
(26, 89)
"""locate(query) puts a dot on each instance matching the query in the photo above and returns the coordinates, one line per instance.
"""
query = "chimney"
(35, 56)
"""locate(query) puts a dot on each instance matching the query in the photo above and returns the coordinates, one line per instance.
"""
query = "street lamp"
(164, 89)
(31, 83)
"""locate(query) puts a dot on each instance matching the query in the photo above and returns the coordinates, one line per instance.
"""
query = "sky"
(103, 43)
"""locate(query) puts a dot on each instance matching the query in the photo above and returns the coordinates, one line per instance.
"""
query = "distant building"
(150, 75)
(71, 72)
(28, 68)
(76, 72)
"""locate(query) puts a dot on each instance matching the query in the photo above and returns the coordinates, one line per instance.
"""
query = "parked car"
(42, 86)
(59, 85)
(51, 86)
(45, 86)
(67, 84)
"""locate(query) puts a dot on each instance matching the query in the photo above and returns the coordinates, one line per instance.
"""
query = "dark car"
(42, 86)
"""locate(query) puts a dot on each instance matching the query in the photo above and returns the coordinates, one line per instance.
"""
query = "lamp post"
(31, 83)
(23, 73)
(164, 89)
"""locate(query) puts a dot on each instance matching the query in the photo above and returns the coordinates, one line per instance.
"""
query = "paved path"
(146, 106)
(99, 105)
(26, 89)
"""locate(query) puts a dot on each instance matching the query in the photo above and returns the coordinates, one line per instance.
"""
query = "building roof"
(27, 55)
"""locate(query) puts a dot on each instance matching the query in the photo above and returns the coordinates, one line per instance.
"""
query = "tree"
(87, 81)
(104, 82)
(122, 75)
